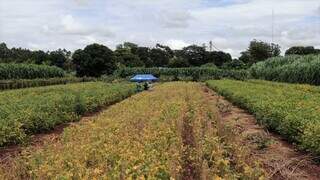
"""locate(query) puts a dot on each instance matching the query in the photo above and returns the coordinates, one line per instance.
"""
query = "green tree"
(218, 57)
(58, 58)
(195, 55)
(260, 51)
(144, 55)
(126, 54)
(302, 50)
(95, 60)
(178, 62)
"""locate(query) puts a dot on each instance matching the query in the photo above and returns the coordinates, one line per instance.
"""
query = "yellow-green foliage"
(143, 137)
(28, 111)
(291, 110)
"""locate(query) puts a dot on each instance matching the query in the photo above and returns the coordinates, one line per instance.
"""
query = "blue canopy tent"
(144, 78)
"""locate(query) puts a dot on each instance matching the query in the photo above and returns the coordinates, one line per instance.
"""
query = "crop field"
(169, 132)
(292, 69)
(28, 111)
(291, 110)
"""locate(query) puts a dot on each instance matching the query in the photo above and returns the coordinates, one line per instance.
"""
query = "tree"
(245, 57)
(234, 64)
(178, 62)
(95, 60)
(195, 55)
(159, 57)
(4, 52)
(58, 58)
(40, 57)
(218, 58)
(301, 50)
(144, 55)
(126, 55)
(260, 51)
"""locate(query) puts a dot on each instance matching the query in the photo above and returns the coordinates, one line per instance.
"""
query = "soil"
(280, 159)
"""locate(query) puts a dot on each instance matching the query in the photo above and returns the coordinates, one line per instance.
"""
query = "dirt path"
(280, 159)
(190, 167)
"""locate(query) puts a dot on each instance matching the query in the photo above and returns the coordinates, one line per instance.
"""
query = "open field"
(171, 131)
(28, 111)
(290, 110)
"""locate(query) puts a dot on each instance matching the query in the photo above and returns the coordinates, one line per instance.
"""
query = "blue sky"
(230, 24)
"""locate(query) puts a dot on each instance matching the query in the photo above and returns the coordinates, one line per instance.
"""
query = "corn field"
(292, 69)
(29, 71)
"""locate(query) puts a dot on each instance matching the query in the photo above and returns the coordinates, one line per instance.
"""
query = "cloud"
(230, 24)
(175, 19)
(176, 44)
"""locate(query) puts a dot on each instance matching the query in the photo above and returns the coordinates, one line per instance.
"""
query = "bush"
(28, 111)
(29, 71)
(26, 83)
(290, 110)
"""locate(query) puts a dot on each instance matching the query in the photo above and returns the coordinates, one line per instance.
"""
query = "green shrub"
(33, 110)
(291, 110)
(26, 83)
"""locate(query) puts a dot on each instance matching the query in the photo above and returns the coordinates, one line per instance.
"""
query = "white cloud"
(176, 44)
(175, 19)
(230, 24)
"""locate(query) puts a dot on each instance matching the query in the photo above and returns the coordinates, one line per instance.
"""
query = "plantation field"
(28, 111)
(292, 69)
(29, 71)
(291, 110)
(26, 83)
(169, 132)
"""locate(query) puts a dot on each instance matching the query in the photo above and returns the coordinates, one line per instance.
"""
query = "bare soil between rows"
(280, 159)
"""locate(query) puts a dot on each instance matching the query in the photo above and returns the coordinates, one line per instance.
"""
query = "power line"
(272, 25)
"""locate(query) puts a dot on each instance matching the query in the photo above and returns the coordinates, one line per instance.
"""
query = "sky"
(229, 24)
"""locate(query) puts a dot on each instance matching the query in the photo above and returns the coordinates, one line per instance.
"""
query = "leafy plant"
(291, 110)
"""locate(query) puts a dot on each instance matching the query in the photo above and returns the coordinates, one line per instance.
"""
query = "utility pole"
(210, 46)
(272, 26)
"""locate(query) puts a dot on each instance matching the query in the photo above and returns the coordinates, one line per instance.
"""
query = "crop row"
(292, 69)
(167, 133)
(29, 71)
(27, 111)
(291, 110)
(195, 73)
(26, 83)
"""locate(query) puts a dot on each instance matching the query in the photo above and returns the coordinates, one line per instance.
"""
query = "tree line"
(96, 59)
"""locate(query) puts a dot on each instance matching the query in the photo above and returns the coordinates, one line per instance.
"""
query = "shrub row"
(26, 83)
(292, 69)
(28, 111)
(290, 110)
(195, 73)
(29, 71)
(167, 133)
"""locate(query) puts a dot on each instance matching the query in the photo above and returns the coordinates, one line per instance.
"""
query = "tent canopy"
(143, 78)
